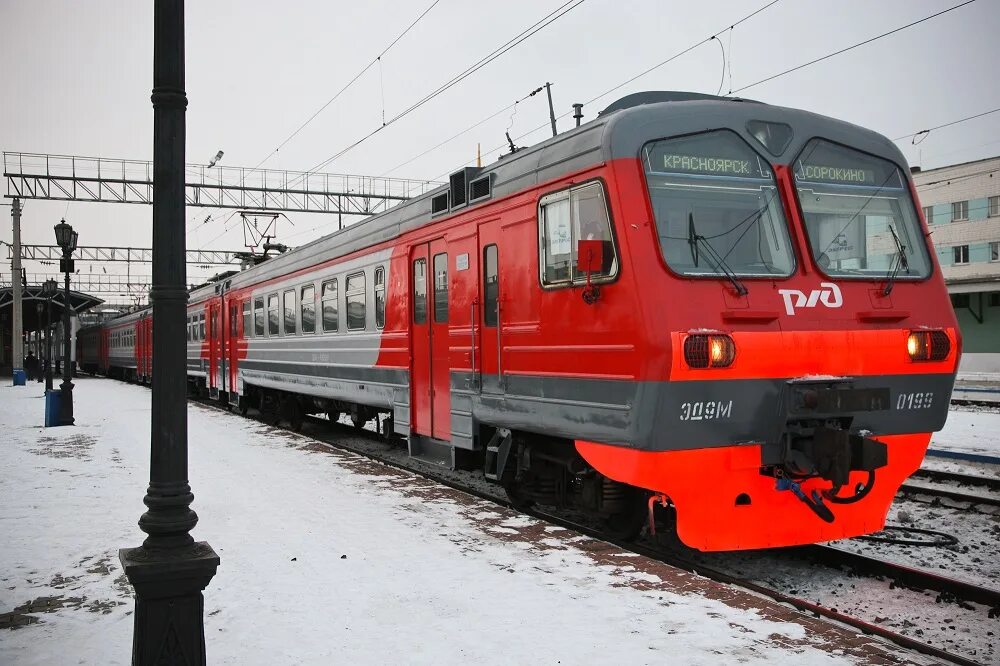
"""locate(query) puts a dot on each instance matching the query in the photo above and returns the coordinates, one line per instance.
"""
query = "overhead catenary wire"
(854, 46)
(954, 122)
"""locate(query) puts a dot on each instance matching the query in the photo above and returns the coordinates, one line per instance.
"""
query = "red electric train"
(718, 306)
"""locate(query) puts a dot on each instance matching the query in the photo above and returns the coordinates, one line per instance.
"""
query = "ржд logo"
(829, 295)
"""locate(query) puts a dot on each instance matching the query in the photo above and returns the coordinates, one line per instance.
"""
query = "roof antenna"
(578, 113)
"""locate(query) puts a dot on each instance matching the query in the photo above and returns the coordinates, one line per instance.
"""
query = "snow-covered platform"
(329, 557)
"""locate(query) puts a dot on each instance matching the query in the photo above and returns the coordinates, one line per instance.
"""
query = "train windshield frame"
(859, 215)
(717, 207)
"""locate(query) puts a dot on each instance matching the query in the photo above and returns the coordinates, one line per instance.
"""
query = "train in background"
(717, 306)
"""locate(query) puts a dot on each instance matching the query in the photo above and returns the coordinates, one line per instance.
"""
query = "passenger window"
(258, 316)
(330, 314)
(246, 319)
(441, 288)
(201, 326)
(289, 299)
(420, 291)
(491, 285)
(565, 218)
(307, 306)
(272, 315)
(379, 297)
(355, 292)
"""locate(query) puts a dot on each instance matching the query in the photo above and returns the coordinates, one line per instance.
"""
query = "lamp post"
(170, 570)
(49, 289)
(66, 239)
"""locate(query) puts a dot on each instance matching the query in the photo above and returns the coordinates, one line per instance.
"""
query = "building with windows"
(962, 206)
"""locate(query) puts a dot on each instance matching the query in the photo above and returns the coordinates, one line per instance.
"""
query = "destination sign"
(718, 166)
(832, 174)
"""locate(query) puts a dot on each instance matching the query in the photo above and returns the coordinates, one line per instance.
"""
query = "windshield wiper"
(720, 264)
(898, 260)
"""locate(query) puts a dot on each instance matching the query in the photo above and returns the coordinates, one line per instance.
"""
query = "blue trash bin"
(19, 377)
(52, 401)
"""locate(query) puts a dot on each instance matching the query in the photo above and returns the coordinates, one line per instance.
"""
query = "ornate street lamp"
(170, 570)
(49, 289)
(66, 239)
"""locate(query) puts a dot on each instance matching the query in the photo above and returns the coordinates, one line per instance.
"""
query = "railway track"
(336, 434)
(931, 482)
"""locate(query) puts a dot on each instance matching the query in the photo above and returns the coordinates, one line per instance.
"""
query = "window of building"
(995, 251)
(491, 286)
(994, 207)
(289, 311)
(272, 315)
(246, 319)
(960, 254)
(258, 316)
(328, 294)
(960, 211)
(307, 306)
(929, 214)
(565, 218)
(959, 301)
(354, 290)
(420, 291)
(379, 297)
(201, 326)
(441, 288)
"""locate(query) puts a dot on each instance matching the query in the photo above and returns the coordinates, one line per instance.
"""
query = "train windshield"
(858, 214)
(717, 207)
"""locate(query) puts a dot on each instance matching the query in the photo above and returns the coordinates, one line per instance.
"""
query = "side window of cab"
(572, 221)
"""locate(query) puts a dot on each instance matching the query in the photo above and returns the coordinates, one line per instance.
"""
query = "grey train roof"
(619, 132)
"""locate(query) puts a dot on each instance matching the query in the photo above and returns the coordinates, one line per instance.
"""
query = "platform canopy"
(31, 297)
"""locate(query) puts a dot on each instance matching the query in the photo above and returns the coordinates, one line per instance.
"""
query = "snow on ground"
(970, 430)
(324, 558)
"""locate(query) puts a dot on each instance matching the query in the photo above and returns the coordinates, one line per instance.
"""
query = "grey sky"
(77, 78)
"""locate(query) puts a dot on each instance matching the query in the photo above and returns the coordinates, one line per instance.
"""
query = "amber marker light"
(928, 345)
(709, 351)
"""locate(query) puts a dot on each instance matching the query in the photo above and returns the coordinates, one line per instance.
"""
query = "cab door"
(421, 418)
(214, 335)
(232, 344)
(491, 308)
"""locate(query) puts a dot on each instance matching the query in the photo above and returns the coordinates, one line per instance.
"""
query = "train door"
(491, 310)
(214, 349)
(149, 348)
(430, 389)
(231, 347)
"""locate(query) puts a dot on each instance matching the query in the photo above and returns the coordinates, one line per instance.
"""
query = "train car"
(714, 305)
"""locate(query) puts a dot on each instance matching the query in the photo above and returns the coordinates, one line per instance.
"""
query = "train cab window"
(716, 206)
(330, 310)
(420, 291)
(258, 316)
(201, 326)
(307, 307)
(354, 290)
(491, 285)
(379, 297)
(859, 216)
(247, 326)
(441, 288)
(564, 219)
(289, 311)
(273, 325)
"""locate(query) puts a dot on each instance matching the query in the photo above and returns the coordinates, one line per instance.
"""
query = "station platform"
(330, 557)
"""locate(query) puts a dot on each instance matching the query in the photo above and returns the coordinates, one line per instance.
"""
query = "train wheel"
(244, 406)
(518, 498)
(333, 416)
(627, 523)
(291, 411)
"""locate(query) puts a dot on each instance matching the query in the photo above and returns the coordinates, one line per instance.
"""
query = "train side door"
(490, 309)
(231, 347)
(213, 335)
(149, 347)
(430, 391)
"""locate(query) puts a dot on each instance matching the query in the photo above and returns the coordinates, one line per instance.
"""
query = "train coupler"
(815, 503)
(653, 499)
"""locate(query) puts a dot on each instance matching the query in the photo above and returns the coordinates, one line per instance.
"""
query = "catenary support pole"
(17, 317)
(169, 571)
(552, 111)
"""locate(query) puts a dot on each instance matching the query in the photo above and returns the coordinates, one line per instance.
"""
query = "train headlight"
(928, 345)
(709, 351)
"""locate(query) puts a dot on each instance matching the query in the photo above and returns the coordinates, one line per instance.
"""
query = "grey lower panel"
(377, 387)
(664, 416)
